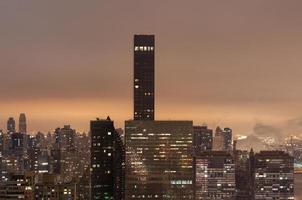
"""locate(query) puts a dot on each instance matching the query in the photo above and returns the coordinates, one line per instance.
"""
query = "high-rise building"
(202, 138)
(242, 174)
(22, 123)
(273, 174)
(214, 175)
(223, 139)
(227, 139)
(11, 125)
(65, 152)
(159, 159)
(143, 83)
(107, 161)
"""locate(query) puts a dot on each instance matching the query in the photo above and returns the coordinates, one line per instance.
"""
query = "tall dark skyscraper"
(107, 161)
(11, 125)
(144, 48)
(22, 123)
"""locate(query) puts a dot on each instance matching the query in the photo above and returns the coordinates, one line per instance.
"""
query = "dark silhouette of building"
(273, 175)
(11, 125)
(227, 142)
(22, 123)
(144, 48)
(107, 161)
(202, 138)
(242, 171)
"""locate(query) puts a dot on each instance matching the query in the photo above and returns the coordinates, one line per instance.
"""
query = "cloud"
(263, 130)
(251, 141)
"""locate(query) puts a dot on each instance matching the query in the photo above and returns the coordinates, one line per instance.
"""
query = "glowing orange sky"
(230, 63)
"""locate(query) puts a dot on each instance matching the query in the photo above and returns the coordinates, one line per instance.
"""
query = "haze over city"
(231, 63)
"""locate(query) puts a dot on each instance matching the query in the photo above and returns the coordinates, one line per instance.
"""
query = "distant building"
(65, 153)
(273, 174)
(227, 139)
(22, 123)
(144, 51)
(202, 138)
(214, 176)
(223, 139)
(107, 161)
(11, 125)
(159, 159)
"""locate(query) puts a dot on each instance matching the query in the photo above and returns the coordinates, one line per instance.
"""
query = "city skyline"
(236, 63)
(186, 100)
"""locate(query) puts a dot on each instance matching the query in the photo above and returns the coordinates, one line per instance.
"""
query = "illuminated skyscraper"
(214, 175)
(107, 161)
(11, 125)
(273, 174)
(66, 153)
(159, 159)
(144, 48)
(22, 123)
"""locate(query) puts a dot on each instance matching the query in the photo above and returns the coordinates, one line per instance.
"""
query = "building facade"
(143, 83)
(214, 176)
(107, 163)
(22, 123)
(273, 173)
(202, 139)
(159, 159)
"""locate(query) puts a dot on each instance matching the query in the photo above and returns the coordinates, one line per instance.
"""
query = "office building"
(214, 175)
(107, 161)
(159, 159)
(242, 174)
(227, 139)
(223, 139)
(273, 173)
(22, 123)
(65, 153)
(202, 138)
(11, 125)
(143, 83)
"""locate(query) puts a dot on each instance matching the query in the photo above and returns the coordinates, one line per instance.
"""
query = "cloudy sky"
(233, 63)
